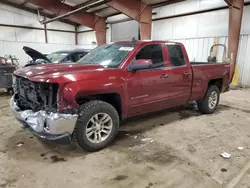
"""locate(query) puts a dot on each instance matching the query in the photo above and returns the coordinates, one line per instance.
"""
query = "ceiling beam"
(137, 10)
(153, 5)
(166, 3)
(25, 2)
(84, 4)
(83, 8)
(83, 18)
(90, 2)
(99, 10)
(34, 11)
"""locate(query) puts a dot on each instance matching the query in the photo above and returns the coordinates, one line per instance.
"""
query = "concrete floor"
(180, 148)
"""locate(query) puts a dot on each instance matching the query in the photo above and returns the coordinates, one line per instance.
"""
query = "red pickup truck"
(85, 101)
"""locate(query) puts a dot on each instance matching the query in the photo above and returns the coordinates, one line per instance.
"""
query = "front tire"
(97, 125)
(209, 103)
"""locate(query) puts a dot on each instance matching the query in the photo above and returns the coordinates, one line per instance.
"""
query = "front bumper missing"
(49, 126)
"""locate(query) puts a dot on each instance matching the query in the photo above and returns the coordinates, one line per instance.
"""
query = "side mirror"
(141, 64)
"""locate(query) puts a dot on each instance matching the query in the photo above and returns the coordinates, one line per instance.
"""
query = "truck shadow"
(226, 107)
(160, 118)
(131, 133)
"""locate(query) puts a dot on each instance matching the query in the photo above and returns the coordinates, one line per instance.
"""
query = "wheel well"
(112, 98)
(217, 82)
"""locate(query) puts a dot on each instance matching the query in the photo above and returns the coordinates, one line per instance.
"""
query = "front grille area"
(36, 95)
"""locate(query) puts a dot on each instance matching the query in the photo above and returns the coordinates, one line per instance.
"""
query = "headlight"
(13, 80)
(14, 83)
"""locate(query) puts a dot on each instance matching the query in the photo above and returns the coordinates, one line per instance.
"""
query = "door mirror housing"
(141, 64)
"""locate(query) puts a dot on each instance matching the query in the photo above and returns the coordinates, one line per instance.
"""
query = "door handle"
(164, 76)
(186, 73)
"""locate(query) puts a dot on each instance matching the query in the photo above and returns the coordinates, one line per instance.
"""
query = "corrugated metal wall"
(13, 39)
(15, 48)
(243, 60)
(197, 32)
(124, 31)
(198, 50)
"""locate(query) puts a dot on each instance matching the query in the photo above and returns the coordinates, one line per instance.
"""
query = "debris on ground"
(145, 139)
(120, 177)
(19, 144)
(191, 148)
(56, 159)
(149, 185)
(210, 160)
(225, 155)
(240, 148)
(223, 170)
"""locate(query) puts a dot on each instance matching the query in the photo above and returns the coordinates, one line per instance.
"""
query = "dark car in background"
(67, 55)
(63, 56)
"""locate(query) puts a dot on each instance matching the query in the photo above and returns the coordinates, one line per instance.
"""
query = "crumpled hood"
(34, 54)
(43, 72)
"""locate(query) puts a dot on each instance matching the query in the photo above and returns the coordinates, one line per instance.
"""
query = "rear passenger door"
(180, 74)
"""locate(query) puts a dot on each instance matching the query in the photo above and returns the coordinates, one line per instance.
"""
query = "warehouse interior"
(175, 147)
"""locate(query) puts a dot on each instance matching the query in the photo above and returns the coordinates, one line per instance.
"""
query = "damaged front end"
(36, 96)
(35, 106)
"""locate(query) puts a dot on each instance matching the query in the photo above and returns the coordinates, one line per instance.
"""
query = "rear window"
(176, 56)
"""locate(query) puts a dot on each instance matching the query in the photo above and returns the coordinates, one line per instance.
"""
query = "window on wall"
(153, 52)
(176, 56)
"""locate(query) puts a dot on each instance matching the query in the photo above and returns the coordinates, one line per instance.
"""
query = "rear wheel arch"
(216, 82)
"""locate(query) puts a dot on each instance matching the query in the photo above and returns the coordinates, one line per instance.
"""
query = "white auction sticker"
(126, 49)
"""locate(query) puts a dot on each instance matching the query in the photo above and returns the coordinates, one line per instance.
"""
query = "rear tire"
(208, 104)
(97, 126)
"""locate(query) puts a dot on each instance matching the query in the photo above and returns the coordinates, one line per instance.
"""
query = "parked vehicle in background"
(85, 101)
(67, 56)
(7, 66)
(64, 56)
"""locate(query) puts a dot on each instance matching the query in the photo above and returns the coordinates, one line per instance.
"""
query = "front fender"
(74, 90)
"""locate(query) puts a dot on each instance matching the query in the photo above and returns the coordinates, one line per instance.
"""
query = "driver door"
(145, 87)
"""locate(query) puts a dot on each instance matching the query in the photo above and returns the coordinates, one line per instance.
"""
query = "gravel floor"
(176, 148)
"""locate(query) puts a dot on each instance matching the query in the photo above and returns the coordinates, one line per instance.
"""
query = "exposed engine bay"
(36, 96)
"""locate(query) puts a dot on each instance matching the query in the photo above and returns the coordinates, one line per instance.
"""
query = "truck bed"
(203, 73)
(201, 63)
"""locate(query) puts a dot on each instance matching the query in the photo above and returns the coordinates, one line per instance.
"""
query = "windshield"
(56, 56)
(110, 55)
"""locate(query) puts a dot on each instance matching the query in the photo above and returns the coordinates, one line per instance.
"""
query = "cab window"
(176, 56)
(153, 52)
